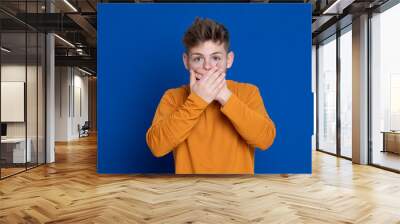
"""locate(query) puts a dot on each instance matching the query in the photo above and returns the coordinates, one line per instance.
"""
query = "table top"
(391, 132)
(13, 140)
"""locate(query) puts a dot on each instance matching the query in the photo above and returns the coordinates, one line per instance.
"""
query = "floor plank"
(70, 191)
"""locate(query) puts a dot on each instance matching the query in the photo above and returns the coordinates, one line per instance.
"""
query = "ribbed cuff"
(230, 105)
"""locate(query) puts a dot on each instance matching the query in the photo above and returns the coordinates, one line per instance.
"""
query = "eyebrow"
(217, 52)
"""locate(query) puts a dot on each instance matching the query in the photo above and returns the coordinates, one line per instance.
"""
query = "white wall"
(61, 103)
(79, 117)
(17, 73)
(70, 83)
(9, 73)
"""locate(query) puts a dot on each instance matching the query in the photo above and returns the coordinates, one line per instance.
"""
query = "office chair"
(84, 130)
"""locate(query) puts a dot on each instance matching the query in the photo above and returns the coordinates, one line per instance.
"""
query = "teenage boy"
(212, 125)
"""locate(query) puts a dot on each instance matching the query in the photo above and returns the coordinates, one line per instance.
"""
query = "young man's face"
(207, 55)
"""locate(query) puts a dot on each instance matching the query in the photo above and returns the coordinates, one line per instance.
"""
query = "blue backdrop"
(140, 56)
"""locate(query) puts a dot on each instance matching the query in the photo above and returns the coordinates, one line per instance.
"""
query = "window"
(327, 95)
(22, 77)
(385, 88)
(346, 92)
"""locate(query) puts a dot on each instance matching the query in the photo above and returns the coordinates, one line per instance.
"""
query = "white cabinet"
(18, 149)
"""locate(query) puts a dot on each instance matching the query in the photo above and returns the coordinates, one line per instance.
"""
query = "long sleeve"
(172, 123)
(251, 119)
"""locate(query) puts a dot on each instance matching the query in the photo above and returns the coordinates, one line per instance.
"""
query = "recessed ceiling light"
(70, 5)
(64, 40)
(5, 50)
(84, 71)
(337, 7)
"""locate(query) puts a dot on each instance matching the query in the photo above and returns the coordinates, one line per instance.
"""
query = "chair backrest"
(86, 125)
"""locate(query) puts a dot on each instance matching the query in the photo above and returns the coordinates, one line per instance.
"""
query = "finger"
(212, 70)
(219, 78)
(209, 73)
(215, 76)
(220, 81)
(192, 78)
(219, 88)
(198, 76)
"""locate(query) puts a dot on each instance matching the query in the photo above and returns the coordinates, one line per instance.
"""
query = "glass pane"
(22, 88)
(13, 86)
(346, 93)
(327, 96)
(41, 98)
(385, 82)
(31, 86)
(31, 101)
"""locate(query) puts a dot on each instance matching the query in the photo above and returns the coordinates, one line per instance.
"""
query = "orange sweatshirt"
(211, 138)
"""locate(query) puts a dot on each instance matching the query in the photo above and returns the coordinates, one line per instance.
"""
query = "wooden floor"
(5, 172)
(70, 191)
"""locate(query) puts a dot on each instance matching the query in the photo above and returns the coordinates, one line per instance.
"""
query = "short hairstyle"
(203, 30)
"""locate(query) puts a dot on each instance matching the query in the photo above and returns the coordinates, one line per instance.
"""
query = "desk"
(13, 150)
(391, 141)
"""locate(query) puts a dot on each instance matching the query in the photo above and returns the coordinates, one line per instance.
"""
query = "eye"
(216, 58)
(196, 59)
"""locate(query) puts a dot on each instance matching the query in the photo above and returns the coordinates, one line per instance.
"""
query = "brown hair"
(203, 30)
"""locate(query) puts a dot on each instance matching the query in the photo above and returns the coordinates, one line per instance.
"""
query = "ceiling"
(76, 22)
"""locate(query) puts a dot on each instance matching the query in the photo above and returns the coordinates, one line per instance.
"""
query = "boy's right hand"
(209, 85)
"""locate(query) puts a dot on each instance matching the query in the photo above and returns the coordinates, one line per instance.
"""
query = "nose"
(207, 65)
